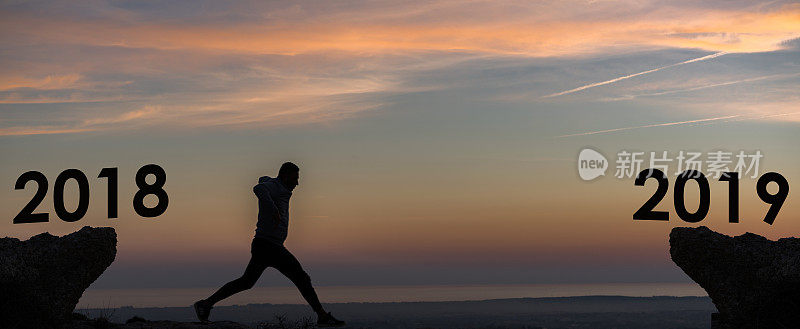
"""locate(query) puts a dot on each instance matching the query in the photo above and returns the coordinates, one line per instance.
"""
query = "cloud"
(144, 113)
(525, 33)
(785, 110)
(259, 64)
(40, 130)
(49, 82)
(86, 125)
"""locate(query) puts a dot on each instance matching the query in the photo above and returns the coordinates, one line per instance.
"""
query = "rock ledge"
(42, 278)
(753, 281)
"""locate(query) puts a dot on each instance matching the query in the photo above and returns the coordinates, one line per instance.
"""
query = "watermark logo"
(628, 164)
(591, 164)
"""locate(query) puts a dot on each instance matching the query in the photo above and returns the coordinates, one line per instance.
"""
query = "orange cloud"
(49, 82)
(712, 30)
(40, 130)
(310, 93)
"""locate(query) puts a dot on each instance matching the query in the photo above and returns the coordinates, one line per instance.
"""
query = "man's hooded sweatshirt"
(273, 209)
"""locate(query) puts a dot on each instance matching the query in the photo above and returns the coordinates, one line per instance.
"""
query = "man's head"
(289, 175)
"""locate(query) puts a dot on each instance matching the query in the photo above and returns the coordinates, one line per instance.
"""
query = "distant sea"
(112, 298)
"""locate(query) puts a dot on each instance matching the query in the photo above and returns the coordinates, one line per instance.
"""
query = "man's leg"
(255, 267)
(258, 263)
(289, 266)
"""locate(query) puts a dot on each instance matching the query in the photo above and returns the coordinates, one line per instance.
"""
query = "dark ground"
(595, 312)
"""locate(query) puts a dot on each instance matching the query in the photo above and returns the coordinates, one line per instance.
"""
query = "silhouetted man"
(267, 248)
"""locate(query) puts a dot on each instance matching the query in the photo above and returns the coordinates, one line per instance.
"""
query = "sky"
(437, 140)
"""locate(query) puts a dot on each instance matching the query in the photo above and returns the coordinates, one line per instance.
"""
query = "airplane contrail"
(739, 116)
(649, 126)
(752, 118)
(596, 84)
(721, 84)
(778, 115)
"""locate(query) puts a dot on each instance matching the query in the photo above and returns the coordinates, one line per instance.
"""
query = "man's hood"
(277, 182)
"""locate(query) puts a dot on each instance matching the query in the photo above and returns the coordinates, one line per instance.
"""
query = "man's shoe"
(326, 320)
(203, 310)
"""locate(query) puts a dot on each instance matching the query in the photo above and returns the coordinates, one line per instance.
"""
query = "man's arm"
(266, 202)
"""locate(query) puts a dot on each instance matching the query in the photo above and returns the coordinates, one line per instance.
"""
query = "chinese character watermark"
(714, 164)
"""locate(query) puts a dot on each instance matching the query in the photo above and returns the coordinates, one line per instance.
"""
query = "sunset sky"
(437, 141)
